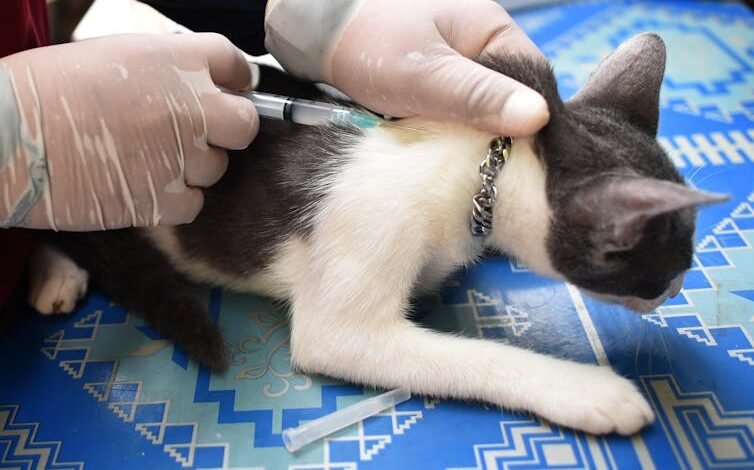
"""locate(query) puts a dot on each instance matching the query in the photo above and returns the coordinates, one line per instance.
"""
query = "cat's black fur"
(267, 192)
(265, 196)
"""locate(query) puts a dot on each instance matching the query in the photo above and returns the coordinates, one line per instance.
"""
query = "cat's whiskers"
(690, 179)
(638, 346)
(708, 176)
(667, 352)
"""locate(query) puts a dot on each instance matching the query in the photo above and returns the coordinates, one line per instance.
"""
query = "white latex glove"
(119, 131)
(406, 58)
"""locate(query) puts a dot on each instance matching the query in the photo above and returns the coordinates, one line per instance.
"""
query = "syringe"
(307, 112)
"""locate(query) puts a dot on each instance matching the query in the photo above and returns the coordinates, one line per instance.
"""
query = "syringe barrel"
(300, 111)
(270, 106)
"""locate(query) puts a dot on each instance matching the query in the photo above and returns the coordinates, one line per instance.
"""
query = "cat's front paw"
(56, 283)
(596, 400)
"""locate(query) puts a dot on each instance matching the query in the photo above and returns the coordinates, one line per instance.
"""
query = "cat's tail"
(128, 269)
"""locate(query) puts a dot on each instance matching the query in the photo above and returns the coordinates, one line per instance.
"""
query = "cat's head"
(621, 218)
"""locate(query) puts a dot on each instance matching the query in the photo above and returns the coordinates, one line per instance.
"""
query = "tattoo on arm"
(14, 145)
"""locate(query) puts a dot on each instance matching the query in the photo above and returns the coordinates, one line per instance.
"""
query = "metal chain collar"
(484, 201)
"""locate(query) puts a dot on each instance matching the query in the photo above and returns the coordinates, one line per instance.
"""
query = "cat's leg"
(56, 282)
(129, 270)
(348, 321)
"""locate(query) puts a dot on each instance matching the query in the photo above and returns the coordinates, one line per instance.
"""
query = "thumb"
(481, 97)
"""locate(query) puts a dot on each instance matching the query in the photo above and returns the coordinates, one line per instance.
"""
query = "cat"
(348, 225)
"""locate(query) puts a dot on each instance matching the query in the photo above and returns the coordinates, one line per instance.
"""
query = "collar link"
(483, 202)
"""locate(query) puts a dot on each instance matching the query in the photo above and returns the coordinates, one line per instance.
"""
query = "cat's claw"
(56, 283)
(598, 401)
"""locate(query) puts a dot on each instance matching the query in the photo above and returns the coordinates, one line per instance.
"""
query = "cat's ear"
(629, 80)
(618, 208)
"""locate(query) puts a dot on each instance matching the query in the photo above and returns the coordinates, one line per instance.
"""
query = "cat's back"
(267, 194)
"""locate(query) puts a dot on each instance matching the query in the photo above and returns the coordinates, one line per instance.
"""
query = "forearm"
(23, 166)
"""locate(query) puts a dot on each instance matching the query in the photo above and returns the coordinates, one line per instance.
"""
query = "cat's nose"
(675, 286)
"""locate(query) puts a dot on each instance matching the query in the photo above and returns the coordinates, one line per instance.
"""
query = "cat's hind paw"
(599, 401)
(199, 337)
(56, 283)
(210, 350)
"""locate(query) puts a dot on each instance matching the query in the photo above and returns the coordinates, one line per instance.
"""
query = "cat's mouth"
(639, 304)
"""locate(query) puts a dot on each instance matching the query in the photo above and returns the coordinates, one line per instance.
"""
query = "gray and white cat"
(348, 225)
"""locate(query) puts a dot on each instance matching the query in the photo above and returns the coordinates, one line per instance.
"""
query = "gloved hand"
(406, 58)
(119, 131)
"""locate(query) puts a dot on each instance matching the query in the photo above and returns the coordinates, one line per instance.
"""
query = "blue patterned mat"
(100, 390)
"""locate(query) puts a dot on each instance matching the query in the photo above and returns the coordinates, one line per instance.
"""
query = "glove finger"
(205, 168)
(227, 65)
(481, 97)
(510, 38)
(180, 207)
(486, 27)
(232, 121)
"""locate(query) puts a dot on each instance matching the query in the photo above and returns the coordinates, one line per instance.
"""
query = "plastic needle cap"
(296, 438)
